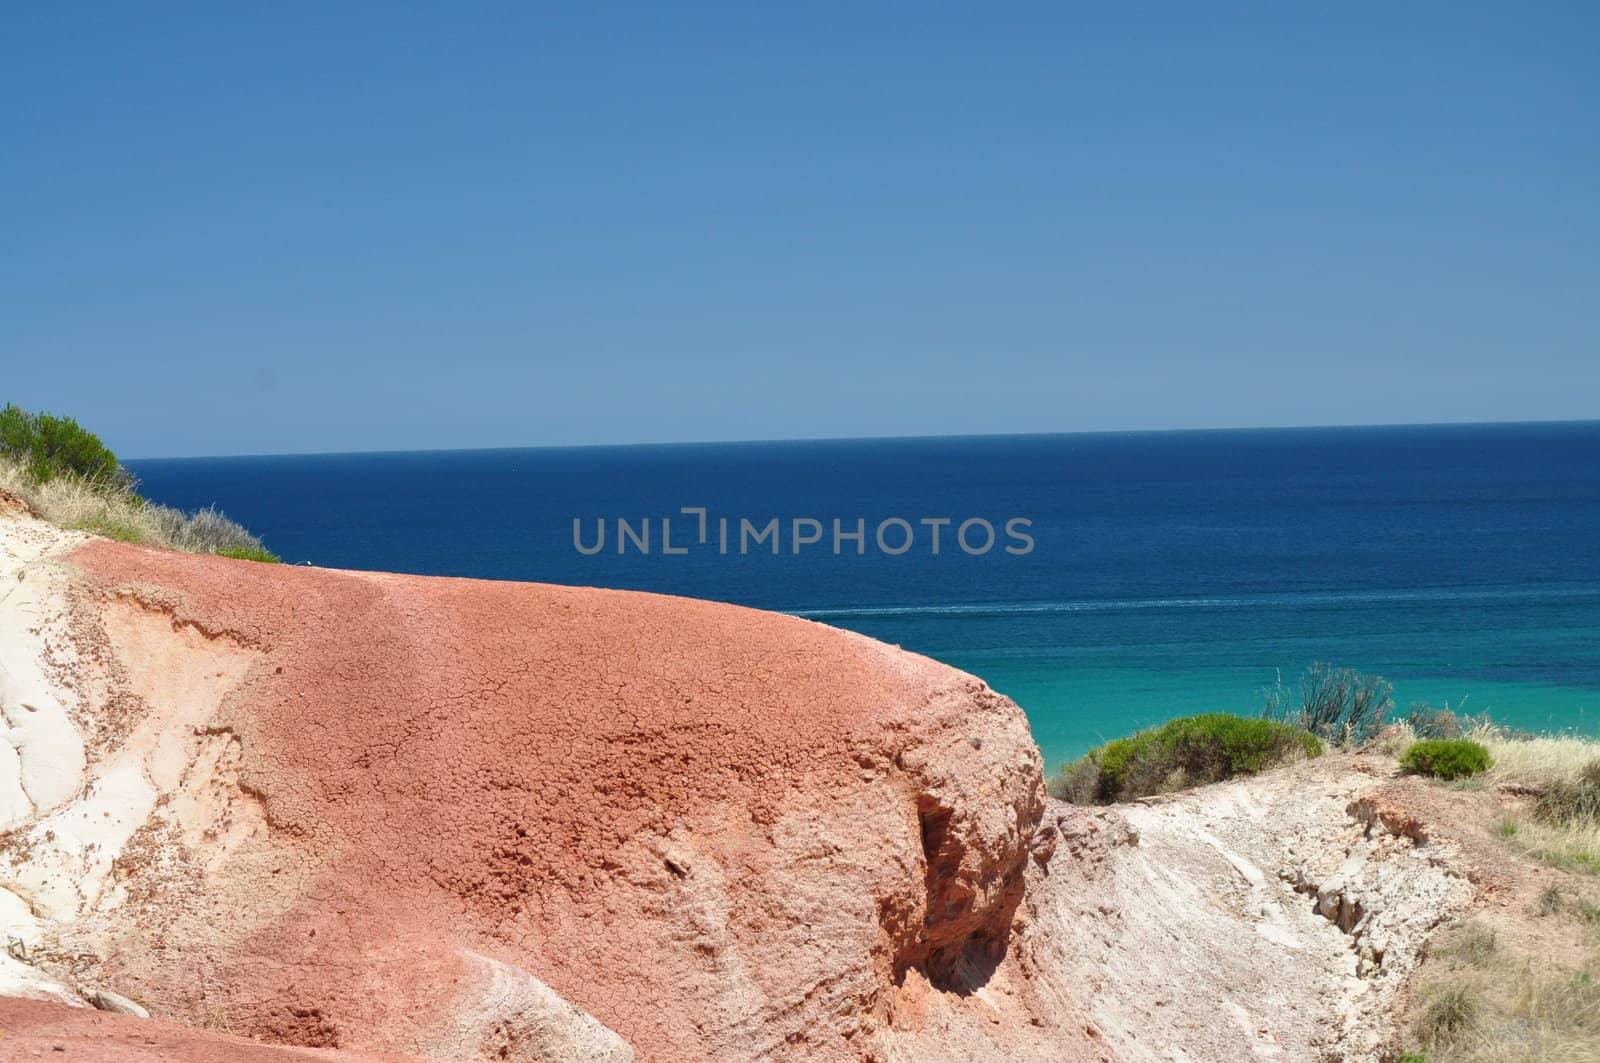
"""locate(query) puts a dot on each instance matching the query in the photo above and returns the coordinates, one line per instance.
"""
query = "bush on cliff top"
(47, 446)
(1445, 758)
(72, 479)
(1338, 705)
(1188, 751)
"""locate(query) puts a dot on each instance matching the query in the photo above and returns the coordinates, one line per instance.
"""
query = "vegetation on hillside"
(1487, 1000)
(72, 479)
(1339, 705)
(47, 447)
(1487, 997)
(1184, 752)
(1559, 824)
(1481, 996)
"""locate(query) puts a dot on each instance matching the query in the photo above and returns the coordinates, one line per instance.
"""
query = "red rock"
(480, 819)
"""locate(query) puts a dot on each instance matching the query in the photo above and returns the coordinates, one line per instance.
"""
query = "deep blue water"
(1169, 573)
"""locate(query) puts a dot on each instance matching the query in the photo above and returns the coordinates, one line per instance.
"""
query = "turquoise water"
(1527, 656)
(1169, 573)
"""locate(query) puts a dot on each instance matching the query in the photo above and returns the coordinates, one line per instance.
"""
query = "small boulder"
(106, 1000)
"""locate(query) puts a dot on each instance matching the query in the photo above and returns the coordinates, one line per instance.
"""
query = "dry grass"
(1491, 1006)
(1546, 766)
(1535, 762)
(1518, 1014)
(1472, 943)
(1571, 847)
(1489, 991)
(1395, 738)
(119, 513)
(1484, 1001)
(1519, 760)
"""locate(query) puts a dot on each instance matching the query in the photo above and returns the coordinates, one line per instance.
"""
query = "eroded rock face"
(1269, 917)
(472, 819)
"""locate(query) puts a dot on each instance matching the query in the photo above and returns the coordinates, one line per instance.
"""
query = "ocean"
(1105, 582)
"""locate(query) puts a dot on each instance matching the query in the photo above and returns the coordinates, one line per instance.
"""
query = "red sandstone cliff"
(470, 819)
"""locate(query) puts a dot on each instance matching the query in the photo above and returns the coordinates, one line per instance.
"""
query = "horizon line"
(1191, 430)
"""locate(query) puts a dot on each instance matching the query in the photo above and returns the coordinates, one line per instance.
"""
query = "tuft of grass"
(1565, 854)
(1078, 783)
(1394, 738)
(1553, 901)
(217, 1019)
(1426, 721)
(1445, 758)
(1563, 1009)
(1507, 827)
(1447, 1017)
(1188, 751)
(249, 553)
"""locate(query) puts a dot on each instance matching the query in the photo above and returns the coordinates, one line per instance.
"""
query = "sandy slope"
(454, 819)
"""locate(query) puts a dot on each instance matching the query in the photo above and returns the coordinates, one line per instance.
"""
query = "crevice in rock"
(960, 942)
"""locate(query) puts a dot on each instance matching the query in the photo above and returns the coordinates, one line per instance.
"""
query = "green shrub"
(1188, 751)
(1572, 802)
(48, 447)
(1445, 758)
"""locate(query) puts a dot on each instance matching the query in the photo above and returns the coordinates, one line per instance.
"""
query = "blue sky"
(388, 227)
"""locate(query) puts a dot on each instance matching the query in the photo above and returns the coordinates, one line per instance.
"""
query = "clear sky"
(392, 227)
